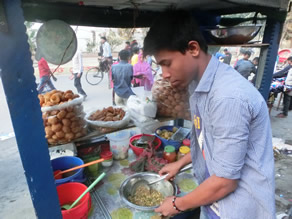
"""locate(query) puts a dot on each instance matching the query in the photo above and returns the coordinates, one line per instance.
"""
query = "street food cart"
(18, 79)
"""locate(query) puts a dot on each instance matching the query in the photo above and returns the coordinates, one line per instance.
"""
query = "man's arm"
(282, 73)
(230, 120)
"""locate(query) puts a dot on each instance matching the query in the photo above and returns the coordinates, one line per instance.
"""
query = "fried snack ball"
(56, 127)
(69, 136)
(49, 131)
(52, 141)
(60, 134)
(70, 115)
(66, 122)
(66, 129)
(61, 114)
(42, 99)
(53, 120)
(56, 98)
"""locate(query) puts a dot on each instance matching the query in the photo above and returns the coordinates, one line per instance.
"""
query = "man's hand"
(166, 208)
(172, 169)
(79, 75)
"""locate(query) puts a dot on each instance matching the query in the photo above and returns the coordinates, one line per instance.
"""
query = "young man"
(77, 72)
(231, 141)
(122, 75)
(227, 57)
(244, 66)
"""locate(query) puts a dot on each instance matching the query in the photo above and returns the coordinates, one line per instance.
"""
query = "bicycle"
(95, 75)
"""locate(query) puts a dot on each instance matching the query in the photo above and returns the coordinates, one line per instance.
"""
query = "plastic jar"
(119, 144)
(186, 142)
(108, 158)
(183, 150)
(169, 153)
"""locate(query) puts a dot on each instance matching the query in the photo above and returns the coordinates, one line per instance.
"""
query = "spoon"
(58, 172)
(68, 207)
(147, 184)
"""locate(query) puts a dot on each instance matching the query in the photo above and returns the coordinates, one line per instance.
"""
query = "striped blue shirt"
(231, 126)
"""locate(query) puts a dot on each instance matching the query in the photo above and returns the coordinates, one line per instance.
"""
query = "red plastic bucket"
(138, 150)
(68, 193)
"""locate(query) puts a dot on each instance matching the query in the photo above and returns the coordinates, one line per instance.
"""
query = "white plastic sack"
(142, 106)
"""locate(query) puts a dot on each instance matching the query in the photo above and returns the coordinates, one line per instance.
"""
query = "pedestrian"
(122, 75)
(231, 139)
(228, 56)
(143, 73)
(134, 59)
(77, 72)
(244, 66)
(45, 75)
(127, 46)
(107, 51)
(284, 71)
(287, 102)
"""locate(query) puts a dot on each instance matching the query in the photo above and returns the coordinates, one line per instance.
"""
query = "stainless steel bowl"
(234, 35)
(166, 188)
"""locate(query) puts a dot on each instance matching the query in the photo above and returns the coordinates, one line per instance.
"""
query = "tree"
(114, 39)
(91, 45)
(31, 33)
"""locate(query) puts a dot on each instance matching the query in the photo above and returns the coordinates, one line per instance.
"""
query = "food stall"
(20, 88)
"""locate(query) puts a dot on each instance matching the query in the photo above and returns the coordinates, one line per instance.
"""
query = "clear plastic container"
(119, 144)
(108, 158)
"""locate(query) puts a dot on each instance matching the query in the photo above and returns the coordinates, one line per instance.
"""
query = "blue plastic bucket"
(67, 162)
(166, 142)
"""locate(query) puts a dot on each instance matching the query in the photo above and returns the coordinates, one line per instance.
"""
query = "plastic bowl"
(166, 142)
(138, 150)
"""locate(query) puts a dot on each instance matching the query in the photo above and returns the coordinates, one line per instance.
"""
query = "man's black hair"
(225, 50)
(124, 55)
(247, 53)
(127, 42)
(104, 38)
(173, 30)
(135, 50)
(290, 59)
(256, 59)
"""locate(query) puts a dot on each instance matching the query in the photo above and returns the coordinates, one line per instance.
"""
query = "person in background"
(284, 71)
(231, 137)
(127, 46)
(122, 75)
(219, 56)
(133, 45)
(45, 76)
(143, 73)
(107, 51)
(134, 59)
(77, 72)
(227, 57)
(245, 66)
(255, 62)
(287, 101)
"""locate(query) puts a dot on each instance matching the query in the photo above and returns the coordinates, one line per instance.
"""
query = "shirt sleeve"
(282, 73)
(230, 120)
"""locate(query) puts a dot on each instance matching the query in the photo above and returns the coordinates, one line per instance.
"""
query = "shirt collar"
(207, 79)
(123, 62)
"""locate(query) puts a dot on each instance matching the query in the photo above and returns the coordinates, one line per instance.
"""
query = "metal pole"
(20, 88)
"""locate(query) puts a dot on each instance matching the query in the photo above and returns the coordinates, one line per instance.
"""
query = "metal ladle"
(147, 184)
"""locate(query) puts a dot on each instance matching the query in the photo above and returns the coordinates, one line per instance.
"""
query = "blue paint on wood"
(272, 36)
(21, 95)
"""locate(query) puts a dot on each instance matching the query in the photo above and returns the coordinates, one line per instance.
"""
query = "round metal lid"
(54, 39)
